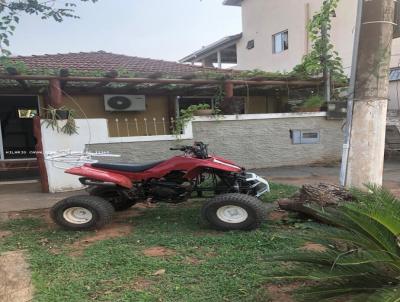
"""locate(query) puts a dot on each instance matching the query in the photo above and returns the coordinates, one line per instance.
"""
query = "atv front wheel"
(82, 213)
(119, 201)
(234, 211)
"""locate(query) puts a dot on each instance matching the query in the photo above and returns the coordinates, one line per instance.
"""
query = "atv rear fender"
(99, 175)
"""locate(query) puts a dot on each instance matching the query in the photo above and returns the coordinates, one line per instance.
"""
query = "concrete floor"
(28, 196)
(300, 175)
(19, 197)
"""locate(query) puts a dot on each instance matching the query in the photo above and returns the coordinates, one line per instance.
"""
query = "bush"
(360, 259)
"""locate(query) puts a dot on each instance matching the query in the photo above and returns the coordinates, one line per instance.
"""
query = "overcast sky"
(160, 29)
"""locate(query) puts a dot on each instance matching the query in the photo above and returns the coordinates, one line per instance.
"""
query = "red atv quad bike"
(116, 187)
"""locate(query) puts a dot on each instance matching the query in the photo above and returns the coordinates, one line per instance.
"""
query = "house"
(275, 38)
(127, 106)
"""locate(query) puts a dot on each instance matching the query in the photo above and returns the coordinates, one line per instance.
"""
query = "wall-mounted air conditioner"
(122, 102)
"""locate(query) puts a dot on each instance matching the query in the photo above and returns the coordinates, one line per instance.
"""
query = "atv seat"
(127, 167)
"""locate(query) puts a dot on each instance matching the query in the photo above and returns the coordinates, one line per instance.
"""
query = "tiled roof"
(105, 61)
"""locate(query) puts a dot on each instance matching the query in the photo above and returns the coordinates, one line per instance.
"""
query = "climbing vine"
(322, 53)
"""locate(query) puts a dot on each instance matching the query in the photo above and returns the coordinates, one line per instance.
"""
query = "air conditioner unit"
(122, 102)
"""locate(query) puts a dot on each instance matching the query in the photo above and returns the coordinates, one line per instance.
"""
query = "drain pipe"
(350, 103)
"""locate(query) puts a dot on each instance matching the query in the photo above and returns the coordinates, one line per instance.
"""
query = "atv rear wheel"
(81, 213)
(234, 211)
(119, 201)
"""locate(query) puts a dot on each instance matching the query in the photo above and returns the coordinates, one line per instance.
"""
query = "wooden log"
(321, 195)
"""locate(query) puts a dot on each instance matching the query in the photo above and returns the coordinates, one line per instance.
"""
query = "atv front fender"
(105, 176)
(216, 165)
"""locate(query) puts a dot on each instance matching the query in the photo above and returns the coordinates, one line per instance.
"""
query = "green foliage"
(185, 117)
(11, 11)
(314, 101)
(360, 260)
(322, 53)
(18, 65)
(52, 118)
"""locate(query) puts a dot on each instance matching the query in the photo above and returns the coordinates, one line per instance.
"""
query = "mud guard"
(216, 164)
(105, 176)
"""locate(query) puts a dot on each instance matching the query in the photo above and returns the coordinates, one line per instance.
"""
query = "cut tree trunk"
(321, 195)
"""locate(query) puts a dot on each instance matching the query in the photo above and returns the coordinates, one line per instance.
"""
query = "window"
(280, 41)
(305, 136)
(250, 44)
(27, 113)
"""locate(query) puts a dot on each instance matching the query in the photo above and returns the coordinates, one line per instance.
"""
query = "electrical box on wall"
(124, 102)
(305, 137)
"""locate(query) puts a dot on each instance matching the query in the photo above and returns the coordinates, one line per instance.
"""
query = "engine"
(172, 188)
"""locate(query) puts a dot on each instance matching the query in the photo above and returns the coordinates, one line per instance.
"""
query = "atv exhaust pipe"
(88, 182)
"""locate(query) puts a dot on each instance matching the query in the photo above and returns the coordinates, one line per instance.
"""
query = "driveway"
(300, 175)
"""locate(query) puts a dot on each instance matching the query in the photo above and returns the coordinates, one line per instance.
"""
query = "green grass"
(230, 266)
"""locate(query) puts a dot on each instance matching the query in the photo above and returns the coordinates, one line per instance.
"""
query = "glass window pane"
(278, 43)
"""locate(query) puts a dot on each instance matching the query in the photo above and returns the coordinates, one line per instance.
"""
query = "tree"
(323, 55)
(12, 10)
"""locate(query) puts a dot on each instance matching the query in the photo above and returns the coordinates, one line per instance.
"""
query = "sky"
(158, 29)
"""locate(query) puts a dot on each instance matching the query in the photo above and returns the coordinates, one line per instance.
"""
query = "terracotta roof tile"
(105, 61)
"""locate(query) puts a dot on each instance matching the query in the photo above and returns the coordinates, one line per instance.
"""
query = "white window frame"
(280, 42)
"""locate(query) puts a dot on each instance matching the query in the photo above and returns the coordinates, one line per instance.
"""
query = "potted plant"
(186, 116)
(203, 110)
(312, 104)
(54, 115)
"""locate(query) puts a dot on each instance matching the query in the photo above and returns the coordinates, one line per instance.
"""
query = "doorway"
(17, 143)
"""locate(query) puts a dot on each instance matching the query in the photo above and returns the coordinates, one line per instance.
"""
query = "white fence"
(141, 126)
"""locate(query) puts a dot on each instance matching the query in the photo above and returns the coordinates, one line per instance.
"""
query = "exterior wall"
(263, 18)
(252, 143)
(93, 107)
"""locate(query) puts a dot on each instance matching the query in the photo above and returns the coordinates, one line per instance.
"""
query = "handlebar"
(199, 150)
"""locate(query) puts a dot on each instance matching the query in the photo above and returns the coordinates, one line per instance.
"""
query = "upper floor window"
(280, 41)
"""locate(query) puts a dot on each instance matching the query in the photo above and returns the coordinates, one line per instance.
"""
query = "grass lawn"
(198, 264)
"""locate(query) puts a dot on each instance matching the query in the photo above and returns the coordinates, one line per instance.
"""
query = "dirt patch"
(142, 284)
(42, 214)
(281, 293)
(158, 251)
(278, 215)
(313, 247)
(4, 234)
(15, 280)
(114, 230)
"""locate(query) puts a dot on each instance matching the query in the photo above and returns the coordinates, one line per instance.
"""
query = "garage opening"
(17, 143)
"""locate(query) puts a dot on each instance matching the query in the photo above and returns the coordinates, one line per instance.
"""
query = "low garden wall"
(253, 141)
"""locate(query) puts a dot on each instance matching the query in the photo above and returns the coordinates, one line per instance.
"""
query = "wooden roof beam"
(165, 81)
(112, 74)
(14, 72)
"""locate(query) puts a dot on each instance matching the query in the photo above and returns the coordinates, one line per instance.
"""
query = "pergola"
(187, 85)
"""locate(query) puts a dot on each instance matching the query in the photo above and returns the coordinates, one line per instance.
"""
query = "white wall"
(263, 18)
(90, 131)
